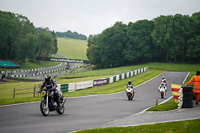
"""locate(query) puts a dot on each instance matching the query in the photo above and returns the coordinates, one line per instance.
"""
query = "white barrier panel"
(58, 87)
(71, 87)
(122, 75)
(138, 71)
(111, 80)
(84, 85)
(141, 70)
(127, 74)
(131, 73)
(135, 72)
(117, 77)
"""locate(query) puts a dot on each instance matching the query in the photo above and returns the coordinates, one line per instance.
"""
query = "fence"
(34, 91)
(88, 84)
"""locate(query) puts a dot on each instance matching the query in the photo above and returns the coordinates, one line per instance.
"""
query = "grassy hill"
(71, 48)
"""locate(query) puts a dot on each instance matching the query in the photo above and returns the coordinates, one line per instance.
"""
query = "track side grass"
(72, 49)
(189, 126)
(175, 67)
(170, 105)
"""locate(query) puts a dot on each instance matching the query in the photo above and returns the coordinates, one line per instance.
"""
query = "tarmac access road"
(92, 111)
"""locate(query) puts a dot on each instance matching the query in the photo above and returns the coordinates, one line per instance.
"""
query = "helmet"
(198, 73)
(129, 82)
(48, 79)
(163, 77)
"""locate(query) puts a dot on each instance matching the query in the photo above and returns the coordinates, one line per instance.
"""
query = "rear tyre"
(43, 109)
(162, 94)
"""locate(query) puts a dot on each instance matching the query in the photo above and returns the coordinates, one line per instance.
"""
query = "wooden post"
(14, 93)
(156, 101)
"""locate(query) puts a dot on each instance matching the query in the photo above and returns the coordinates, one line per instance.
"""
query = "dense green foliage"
(20, 41)
(73, 35)
(164, 39)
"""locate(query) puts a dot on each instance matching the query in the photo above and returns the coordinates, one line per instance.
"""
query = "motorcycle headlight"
(43, 93)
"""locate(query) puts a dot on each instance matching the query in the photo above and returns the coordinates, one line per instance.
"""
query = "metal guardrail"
(34, 91)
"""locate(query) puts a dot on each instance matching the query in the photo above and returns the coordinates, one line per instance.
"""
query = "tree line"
(172, 38)
(73, 35)
(19, 39)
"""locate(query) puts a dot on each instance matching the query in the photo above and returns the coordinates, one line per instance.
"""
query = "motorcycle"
(162, 89)
(48, 102)
(130, 92)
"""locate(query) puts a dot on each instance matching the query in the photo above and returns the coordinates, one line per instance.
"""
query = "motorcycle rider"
(164, 80)
(50, 84)
(129, 84)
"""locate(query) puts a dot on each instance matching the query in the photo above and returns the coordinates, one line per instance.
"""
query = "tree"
(55, 42)
(162, 34)
(110, 45)
(193, 43)
(45, 44)
(27, 48)
(139, 47)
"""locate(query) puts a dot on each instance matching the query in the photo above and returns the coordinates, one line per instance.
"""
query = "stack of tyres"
(187, 97)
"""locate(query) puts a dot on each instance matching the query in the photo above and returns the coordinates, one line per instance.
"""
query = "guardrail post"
(14, 93)
(34, 90)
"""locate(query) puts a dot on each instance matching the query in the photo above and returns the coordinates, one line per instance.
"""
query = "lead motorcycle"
(162, 89)
(130, 92)
(49, 103)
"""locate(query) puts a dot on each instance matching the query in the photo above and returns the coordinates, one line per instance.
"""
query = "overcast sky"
(93, 16)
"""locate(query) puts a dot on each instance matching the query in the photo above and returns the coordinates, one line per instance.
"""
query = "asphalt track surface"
(85, 112)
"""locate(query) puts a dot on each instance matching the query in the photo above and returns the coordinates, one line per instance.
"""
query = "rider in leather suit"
(51, 84)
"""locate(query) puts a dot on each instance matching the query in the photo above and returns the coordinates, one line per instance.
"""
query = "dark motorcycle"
(49, 103)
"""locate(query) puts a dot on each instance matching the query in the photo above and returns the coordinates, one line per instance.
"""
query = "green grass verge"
(175, 67)
(170, 105)
(189, 126)
(72, 49)
(102, 72)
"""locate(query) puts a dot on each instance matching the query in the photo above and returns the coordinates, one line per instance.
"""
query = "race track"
(85, 112)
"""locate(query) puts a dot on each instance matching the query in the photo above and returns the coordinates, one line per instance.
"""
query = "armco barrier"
(64, 87)
(84, 85)
(111, 80)
(108, 80)
(135, 72)
(88, 84)
(71, 87)
(98, 82)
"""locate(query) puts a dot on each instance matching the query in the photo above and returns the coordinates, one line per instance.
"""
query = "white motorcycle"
(162, 89)
(130, 92)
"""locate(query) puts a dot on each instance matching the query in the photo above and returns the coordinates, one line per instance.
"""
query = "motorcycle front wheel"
(61, 110)
(43, 109)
